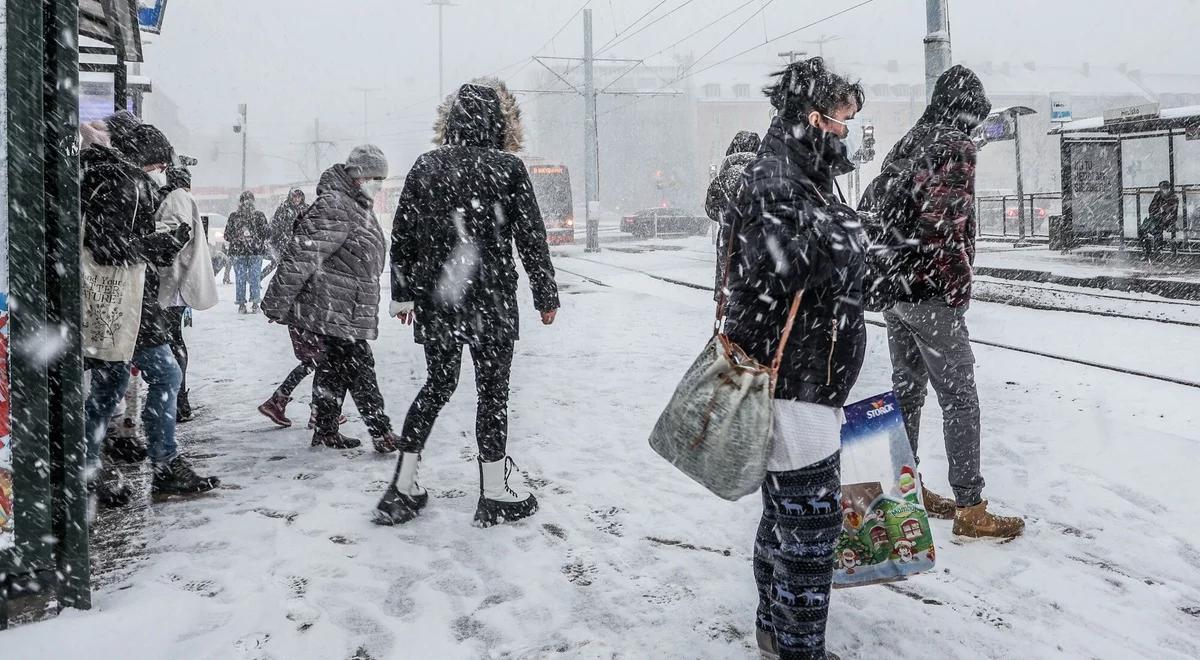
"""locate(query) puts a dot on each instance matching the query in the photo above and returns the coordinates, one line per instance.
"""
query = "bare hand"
(548, 317)
(407, 318)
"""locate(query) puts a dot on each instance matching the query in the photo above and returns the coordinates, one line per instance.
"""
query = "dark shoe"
(254, 308)
(936, 505)
(178, 479)
(183, 409)
(127, 449)
(275, 410)
(335, 440)
(498, 502)
(975, 522)
(404, 498)
(386, 444)
(241, 308)
(768, 647)
(109, 488)
(312, 420)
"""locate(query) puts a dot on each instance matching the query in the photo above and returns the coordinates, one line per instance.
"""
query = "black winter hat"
(146, 145)
(179, 177)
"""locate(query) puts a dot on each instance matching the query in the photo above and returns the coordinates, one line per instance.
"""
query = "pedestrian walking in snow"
(189, 283)
(246, 244)
(463, 206)
(283, 227)
(327, 290)
(119, 198)
(926, 193)
(724, 188)
(793, 237)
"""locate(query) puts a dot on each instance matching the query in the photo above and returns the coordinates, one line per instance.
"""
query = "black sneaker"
(183, 409)
(396, 508)
(127, 449)
(109, 488)
(177, 478)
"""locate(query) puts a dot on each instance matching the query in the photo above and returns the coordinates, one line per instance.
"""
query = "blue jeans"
(247, 271)
(162, 374)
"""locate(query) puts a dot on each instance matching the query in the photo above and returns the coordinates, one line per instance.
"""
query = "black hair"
(808, 85)
(1164, 184)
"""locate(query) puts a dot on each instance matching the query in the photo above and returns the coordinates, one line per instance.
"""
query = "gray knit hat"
(367, 162)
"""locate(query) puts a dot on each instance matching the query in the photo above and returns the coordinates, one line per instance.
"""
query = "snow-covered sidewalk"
(627, 558)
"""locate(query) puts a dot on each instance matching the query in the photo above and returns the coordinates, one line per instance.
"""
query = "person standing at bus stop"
(246, 243)
(1163, 217)
(463, 206)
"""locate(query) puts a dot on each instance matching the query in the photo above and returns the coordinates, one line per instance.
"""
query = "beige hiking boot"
(936, 505)
(975, 522)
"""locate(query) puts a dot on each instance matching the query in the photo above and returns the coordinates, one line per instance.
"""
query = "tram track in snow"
(875, 322)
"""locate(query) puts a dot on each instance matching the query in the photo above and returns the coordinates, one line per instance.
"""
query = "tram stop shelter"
(1096, 205)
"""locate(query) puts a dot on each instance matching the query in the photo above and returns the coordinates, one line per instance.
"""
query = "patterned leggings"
(793, 556)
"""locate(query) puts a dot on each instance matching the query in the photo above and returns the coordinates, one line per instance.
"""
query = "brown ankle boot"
(975, 522)
(936, 505)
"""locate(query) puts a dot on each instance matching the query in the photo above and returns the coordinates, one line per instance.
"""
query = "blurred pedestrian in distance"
(724, 188)
(326, 290)
(246, 244)
(1162, 217)
(463, 206)
(282, 227)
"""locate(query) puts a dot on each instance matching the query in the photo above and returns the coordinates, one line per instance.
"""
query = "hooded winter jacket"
(118, 203)
(463, 206)
(724, 188)
(328, 281)
(246, 233)
(283, 224)
(793, 237)
(944, 184)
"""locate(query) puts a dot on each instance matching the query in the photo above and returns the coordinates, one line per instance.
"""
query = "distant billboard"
(150, 15)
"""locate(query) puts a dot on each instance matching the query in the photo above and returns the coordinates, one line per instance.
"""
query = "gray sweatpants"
(929, 342)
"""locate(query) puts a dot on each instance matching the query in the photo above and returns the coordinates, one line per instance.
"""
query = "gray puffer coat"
(328, 282)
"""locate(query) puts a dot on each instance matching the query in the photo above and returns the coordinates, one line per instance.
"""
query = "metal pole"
(591, 156)
(441, 55)
(245, 129)
(937, 43)
(1171, 156)
(317, 144)
(1020, 182)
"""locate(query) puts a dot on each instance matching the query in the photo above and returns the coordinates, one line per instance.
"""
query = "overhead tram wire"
(616, 36)
(688, 73)
(643, 28)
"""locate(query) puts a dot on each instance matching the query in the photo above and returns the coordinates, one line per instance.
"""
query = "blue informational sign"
(150, 15)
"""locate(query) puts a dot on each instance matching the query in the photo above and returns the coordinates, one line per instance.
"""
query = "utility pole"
(1020, 182)
(366, 92)
(441, 6)
(793, 55)
(241, 128)
(317, 143)
(820, 43)
(591, 156)
(937, 43)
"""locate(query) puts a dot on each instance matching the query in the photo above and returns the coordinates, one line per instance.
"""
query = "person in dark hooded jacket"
(927, 335)
(794, 246)
(724, 188)
(246, 243)
(119, 195)
(463, 206)
(326, 291)
(282, 228)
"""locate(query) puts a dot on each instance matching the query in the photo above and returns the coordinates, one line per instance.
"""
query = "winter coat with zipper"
(328, 281)
(463, 206)
(118, 202)
(246, 233)
(943, 158)
(794, 238)
(724, 188)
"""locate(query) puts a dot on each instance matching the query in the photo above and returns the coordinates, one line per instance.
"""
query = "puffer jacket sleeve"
(529, 232)
(321, 233)
(404, 239)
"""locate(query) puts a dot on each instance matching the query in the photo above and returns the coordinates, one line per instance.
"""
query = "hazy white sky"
(295, 60)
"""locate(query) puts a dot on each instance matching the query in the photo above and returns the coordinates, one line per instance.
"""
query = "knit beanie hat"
(367, 162)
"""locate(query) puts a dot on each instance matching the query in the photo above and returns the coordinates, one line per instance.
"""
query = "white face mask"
(853, 139)
(372, 187)
(159, 178)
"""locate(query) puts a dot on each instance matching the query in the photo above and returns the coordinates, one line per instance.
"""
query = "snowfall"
(628, 558)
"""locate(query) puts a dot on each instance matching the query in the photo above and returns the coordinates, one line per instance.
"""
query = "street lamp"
(1005, 124)
(441, 6)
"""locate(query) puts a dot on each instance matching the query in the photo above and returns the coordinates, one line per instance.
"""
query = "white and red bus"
(552, 187)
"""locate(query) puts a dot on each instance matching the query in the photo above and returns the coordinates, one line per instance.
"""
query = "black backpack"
(891, 217)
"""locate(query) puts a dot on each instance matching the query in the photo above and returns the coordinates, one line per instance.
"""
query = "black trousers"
(493, 364)
(348, 365)
(175, 341)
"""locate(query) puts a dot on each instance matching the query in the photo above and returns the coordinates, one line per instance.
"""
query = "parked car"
(664, 221)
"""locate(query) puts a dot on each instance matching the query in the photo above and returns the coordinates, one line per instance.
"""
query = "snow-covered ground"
(627, 558)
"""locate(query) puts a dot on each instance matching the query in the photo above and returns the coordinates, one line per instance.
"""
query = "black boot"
(498, 502)
(404, 498)
(127, 449)
(108, 486)
(177, 478)
(183, 409)
(335, 440)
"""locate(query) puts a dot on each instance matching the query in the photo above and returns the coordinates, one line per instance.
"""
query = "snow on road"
(627, 558)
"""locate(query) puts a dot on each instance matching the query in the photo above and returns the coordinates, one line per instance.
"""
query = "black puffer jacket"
(793, 237)
(328, 282)
(463, 206)
(724, 188)
(246, 233)
(283, 224)
(111, 189)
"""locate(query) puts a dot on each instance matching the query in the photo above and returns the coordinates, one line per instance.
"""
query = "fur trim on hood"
(514, 133)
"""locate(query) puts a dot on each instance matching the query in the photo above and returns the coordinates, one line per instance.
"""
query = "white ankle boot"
(406, 478)
(498, 502)
(404, 498)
